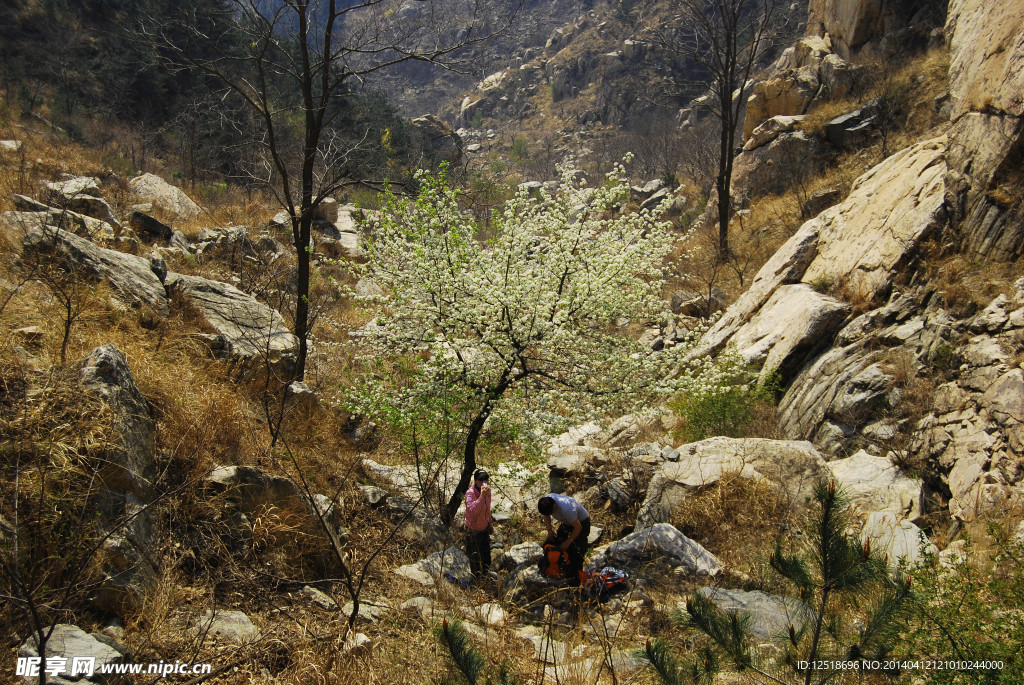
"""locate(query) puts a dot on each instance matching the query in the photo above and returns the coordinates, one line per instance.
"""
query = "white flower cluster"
(522, 324)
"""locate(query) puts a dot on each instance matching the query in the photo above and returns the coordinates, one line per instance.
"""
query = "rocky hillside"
(180, 507)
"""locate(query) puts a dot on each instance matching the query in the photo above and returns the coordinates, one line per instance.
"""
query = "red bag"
(554, 563)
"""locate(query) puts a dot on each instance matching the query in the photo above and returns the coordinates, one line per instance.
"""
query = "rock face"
(986, 66)
(788, 93)
(126, 481)
(860, 243)
(793, 466)
(770, 615)
(171, 199)
(130, 276)
(250, 330)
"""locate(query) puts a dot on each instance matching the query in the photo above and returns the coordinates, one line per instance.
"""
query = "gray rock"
(252, 331)
(663, 542)
(370, 611)
(229, 625)
(525, 553)
(130, 276)
(10, 146)
(792, 466)
(874, 484)
(770, 615)
(149, 227)
(69, 641)
(853, 129)
(126, 481)
(319, 598)
(772, 168)
(431, 570)
(171, 199)
(73, 187)
(897, 538)
(820, 201)
(250, 489)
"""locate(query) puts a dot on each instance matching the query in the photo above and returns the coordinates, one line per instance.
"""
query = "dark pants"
(478, 549)
(577, 550)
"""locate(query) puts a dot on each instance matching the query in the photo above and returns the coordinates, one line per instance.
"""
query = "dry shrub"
(737, 519)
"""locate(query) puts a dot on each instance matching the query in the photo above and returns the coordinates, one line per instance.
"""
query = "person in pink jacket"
(478, 524)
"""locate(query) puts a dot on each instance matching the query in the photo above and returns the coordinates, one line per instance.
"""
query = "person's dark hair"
(546, 505)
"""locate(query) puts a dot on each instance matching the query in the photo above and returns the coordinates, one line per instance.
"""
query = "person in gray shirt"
(573, 531)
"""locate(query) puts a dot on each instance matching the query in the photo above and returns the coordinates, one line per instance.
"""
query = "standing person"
(478, 524)
(575, 529)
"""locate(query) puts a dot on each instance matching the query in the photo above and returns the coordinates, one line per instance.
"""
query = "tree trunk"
(302, 253)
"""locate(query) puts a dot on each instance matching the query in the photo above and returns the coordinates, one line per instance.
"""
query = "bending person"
(575, 528)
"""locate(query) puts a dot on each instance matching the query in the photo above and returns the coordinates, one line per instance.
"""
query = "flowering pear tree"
(518, 324)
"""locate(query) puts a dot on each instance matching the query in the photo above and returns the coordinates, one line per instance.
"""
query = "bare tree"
(725, 39)
(289, 61)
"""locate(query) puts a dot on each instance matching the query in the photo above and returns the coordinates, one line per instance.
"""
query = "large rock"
(436, 567)
(874, 484)
(788, 159)
(171, 199)
(897, 538)
(76, 647)
(792, 466)
(664, 543)
(849, 23)
(770, 615)
(228, 625)
(126, 480)
(250, 330)
(130, 276)
(986, 56)
(787, 94)
(250, 489)
(865, 240)
(794, 324)
(443, 139)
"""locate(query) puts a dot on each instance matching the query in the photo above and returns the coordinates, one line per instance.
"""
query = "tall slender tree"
(725, 39)
(290, 61)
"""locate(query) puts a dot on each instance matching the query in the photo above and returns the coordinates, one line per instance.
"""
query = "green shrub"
(968, 608)
(731, 411)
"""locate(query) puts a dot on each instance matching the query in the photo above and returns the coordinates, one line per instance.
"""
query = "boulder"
(62, 191)
(524, 553)
(664, 543)
(793, 466)
(370, 611)
(229, 625)
(897, 538)
(10, 146)
(837, 76)
(76, 647)
(769, 130)
(770, 615)
(776, 166)
(149, 227)
(252, 332)
(326, 211)
(446, 143)
(171, 199)
(793, 325)
(689, 303)
(320, 599)
(130, 276)
(853, 129)
(434, 568)
(821, 200)
(250, 489)
(787, 93)
(874, 484)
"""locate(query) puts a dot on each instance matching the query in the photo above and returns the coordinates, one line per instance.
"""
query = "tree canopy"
(520, 319)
